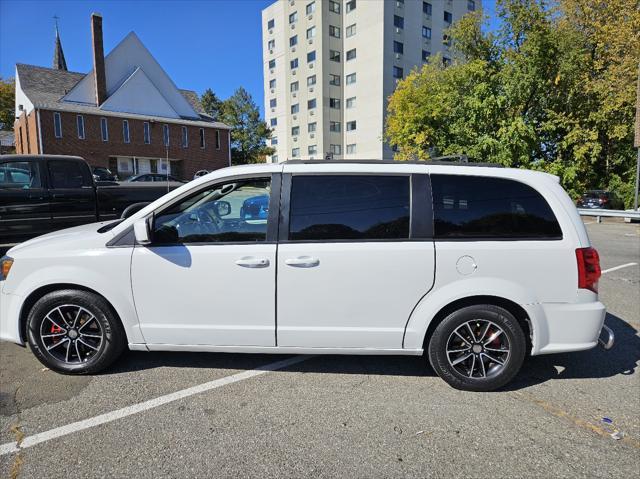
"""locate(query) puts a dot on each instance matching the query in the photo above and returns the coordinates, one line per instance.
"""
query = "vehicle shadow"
(594, 363)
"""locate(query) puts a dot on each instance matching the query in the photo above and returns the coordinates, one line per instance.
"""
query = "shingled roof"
(45, 88)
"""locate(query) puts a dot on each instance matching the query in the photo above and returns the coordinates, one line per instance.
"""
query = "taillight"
(588, 268)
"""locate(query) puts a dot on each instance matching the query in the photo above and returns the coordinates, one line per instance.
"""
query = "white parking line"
(145, 406)
(615, 268)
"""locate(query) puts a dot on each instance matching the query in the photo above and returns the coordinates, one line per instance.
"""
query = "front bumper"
(9, 316)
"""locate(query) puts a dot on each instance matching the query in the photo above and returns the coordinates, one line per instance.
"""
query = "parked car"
(39, 194)
(472, 267)
(103, 174)
(600, 199)
(154, 177)
(255, 208)
(200, 173)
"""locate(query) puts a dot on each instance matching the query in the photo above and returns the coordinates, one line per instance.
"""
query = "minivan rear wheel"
(477, 348)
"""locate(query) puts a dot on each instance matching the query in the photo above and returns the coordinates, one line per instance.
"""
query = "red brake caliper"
(55, 329)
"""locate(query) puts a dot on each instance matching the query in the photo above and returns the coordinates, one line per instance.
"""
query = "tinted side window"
(68, 174)
(349, 207)
(20, 175)
(485, 208)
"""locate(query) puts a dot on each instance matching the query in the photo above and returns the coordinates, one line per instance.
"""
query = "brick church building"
(126, 114)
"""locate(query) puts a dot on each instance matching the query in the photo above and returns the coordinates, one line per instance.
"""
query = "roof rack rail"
(438, 160)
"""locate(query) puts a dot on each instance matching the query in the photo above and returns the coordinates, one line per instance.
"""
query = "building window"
(334, 7)
(351, 54)
(350, 6)
(350, 30)
(217, 139)
(271, 23)
(294, 63)
(311, 127)
(398, 21)
(272, 64)
(126, 138)
(448, 17)
(334, 31)
(274, 159)
(351, 79)
(165, 134)
(311, 104)
(311, 80)
(295, 152)
(398, 72)
(271, 45)
(351, 149)
(311, 56)
(274, 122)
(21, 140)
(185, 137)
(294, 87)
(313, 149)
(351, 125)
(335, 149)
(104, 129)
(426, 33)
(295, 131)
(272, 83)
(334, 56)
(202, 143)
(295, 108)
(425, 55)
(273, 103)
(293, 41)
(57, 125)
(334, 103)
(334, 126)
(351, 102)
(293, 17)
(274, 140)
(311, 7)
(471, 5)
(147, 133)
(398, 47)
(427, 8)
(80, 125)
(334, 80)
(311, 32)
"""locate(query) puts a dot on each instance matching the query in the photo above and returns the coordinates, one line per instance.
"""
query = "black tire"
(496, 375)
(104, 324)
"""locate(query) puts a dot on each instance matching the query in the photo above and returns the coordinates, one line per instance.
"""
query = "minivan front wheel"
(74, 332)
(477, 348)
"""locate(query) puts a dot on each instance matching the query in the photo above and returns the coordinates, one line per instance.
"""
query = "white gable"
(120, 64)
(138, 95)
(21, 99)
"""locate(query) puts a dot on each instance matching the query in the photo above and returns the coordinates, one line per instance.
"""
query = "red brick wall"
(27, 125)
(97, 152)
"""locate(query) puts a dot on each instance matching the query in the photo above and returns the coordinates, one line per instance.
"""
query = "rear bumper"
(606, 339)
(570, 327)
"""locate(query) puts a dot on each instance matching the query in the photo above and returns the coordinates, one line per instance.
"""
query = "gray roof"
(7, 138)
(45, 87)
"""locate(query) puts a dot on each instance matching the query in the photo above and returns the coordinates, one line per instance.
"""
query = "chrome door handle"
(251, 262)
(302, 262)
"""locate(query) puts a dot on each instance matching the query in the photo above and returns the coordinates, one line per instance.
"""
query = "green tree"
(248, 132)
(553, 89)
(211, 104)
(7, 103)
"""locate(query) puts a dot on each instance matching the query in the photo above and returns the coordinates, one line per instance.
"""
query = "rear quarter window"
(474, 207)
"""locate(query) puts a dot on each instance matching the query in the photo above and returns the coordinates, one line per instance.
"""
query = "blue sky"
(200, 43)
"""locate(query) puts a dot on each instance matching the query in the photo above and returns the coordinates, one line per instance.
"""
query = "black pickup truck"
(44, 193)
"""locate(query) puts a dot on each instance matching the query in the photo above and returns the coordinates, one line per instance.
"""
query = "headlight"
(5, 267)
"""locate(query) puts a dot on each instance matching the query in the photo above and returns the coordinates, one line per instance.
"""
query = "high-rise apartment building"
(330, 65)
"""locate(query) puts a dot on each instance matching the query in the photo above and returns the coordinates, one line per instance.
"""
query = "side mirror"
(142, 232)
(223, 208)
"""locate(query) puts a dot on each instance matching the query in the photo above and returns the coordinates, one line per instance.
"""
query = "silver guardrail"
(599, 213)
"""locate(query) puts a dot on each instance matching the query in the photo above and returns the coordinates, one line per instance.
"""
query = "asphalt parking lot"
(217, 415)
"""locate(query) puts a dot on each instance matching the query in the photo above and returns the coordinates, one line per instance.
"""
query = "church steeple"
(59, 63)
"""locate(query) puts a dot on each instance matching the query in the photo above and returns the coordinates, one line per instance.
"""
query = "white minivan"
(472, 266)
